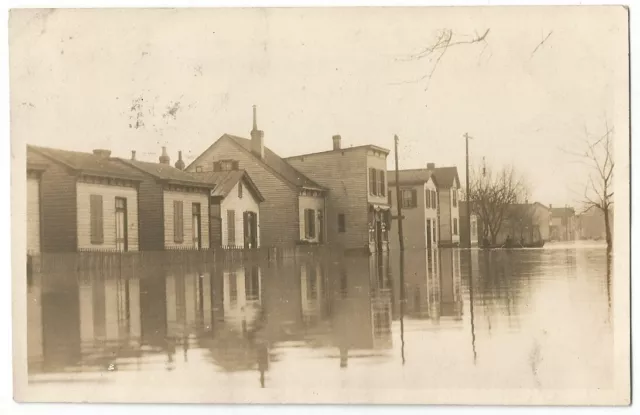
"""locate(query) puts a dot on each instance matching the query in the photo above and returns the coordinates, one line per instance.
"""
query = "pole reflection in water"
(473, 327)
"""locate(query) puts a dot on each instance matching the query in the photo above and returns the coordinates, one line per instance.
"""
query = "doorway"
(250, 221)
(122, 240)
(196, 221)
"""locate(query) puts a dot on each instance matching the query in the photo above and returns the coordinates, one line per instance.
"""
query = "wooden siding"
(247, 203)
(58, 205)
(345, 175)
(188, 198)
(379, 162)
(33, 215)
(151, 208)
(279, 211)
(455, 214)
(215, 228)
(109, 194)
(444, 217)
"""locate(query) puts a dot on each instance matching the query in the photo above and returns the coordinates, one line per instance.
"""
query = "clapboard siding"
(445, 218)
(414, 224)
(109, 194)
(344, 173)
(187, 198)
(279, 211)
(33, 215)
(58, 205)
(455, 213)
(247, 203)
(150, 207)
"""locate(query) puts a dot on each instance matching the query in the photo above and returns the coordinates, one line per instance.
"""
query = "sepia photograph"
(336, 205)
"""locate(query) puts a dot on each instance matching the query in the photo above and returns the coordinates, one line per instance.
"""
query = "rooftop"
(413, 176)
(166, 172)
(224, 181)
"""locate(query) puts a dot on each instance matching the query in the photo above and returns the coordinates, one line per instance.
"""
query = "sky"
(142, 79)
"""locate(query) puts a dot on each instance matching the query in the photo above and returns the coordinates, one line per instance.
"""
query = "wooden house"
(293, 209)
(357, 210)
(234, 208)
(87, 201)
(448, 204)
(174, 206)
(419, 199)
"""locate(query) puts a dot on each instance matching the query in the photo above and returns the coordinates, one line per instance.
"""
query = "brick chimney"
(180, 163)
(431, 166)
(257, 137)
(164, 158)
(133, 154)
(336, 142)
(100, 152)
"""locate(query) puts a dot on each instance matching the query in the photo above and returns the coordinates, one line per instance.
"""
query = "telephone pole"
(468, 218)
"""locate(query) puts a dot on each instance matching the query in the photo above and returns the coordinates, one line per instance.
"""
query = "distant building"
(419, 198)
(448, 204)
(357, 211)
(293, 211)
(174, 206)
(235, 208)
(34, 223)
(464, 232)
(591, 224)
(563, 225)
(88, 201)
(522, 223)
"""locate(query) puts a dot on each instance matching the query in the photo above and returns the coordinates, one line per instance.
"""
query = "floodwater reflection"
(456, 318)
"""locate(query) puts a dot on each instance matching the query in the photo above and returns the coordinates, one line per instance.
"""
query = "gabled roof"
(562, 212)
(273, 162)
(165, 172)
(87, 163)
(225, 181)
(447, 176)
(412, 176)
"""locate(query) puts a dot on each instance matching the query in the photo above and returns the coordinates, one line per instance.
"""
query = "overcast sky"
(80, 78)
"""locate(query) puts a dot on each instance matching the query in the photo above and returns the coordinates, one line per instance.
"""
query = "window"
(225, 165)
(455, 226)
(309, 223)
(428, 199)
(240, 190)
(198, 169)
(381, 183)
(121, 224)
(434, 199)
(342, 225)
(231, 227)
(178, 222)
(96, 218)
(372, 182)
(409, 198)
(454, 194)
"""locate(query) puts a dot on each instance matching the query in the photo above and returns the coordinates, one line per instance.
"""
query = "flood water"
(471, 319)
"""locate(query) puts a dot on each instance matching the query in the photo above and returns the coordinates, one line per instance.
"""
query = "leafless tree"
(491, 195)
(597, 155)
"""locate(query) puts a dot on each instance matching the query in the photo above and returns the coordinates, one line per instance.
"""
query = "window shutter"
(381, 190)
(428, 198)
(414, 198)
(390, 198)
(96, 219)
(312, 223)
(178, 222)
(231, 227)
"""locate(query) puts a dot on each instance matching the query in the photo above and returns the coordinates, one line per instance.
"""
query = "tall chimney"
(336, 142)
(102, 153)
(257, 137)
(180, 164)
(164, 158)
(431, 166)
(133, 154)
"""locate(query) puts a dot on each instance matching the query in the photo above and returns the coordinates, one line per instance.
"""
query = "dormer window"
(225, 165)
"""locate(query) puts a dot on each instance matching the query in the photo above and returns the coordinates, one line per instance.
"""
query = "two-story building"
(448, 204)
(234, 207)
(419, 199)
(357, 211)
(563, 225)
(173, 205)
(293, 210)
(88, 202)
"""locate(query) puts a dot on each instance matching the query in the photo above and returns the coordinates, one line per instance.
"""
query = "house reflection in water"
(432, 284)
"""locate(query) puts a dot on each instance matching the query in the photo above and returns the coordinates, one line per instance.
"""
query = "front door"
(122, 239)
(250, 221)
(195, 225)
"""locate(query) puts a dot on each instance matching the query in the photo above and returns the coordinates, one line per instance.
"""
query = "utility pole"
(468, 218)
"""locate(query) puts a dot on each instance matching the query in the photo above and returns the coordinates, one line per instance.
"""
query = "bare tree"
(491, 196)
(597, 155)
